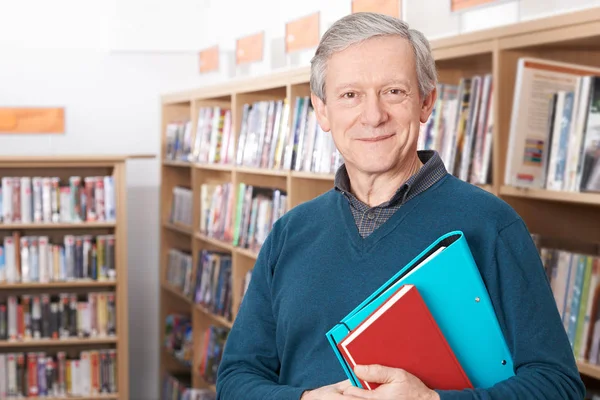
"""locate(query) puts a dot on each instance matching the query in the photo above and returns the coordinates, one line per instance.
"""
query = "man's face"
(373, 108)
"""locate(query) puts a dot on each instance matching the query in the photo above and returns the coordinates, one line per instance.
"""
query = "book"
(402, 333)
(544, 151)
(451, 285)
(44, 374)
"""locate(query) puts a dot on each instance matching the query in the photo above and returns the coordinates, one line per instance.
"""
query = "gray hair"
(361, 26)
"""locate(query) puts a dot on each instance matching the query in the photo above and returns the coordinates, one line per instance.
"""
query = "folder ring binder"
(447, 276)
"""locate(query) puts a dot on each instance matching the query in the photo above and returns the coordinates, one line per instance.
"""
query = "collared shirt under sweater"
(370, 218)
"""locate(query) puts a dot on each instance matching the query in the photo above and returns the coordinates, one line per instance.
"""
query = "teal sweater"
(314, 268)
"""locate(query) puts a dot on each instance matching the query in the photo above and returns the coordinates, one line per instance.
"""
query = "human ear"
(427, 105)
(321, 112)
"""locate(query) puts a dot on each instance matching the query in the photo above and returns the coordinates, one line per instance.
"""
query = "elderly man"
(373, 82)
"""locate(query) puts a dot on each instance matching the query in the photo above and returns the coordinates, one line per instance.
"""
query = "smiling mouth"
(376, 138)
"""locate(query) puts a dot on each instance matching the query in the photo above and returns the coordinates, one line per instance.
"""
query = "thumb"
(374, 373)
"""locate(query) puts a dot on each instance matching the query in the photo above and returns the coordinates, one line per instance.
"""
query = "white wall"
(107, 62)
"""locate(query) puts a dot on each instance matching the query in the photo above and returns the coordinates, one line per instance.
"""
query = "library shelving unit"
(566, 219)
(58, 272)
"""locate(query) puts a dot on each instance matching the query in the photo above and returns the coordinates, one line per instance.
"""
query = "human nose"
(374, 112)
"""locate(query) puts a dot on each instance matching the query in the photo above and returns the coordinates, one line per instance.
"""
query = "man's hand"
(396, 384)
(330, 392)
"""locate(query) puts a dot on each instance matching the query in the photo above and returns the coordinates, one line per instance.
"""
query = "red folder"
(402, 333)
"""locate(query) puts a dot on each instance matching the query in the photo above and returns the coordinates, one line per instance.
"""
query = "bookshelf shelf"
(186, 230)
(58, 342)
(58, 285)
(214, 167)
(217, 318)
(591, 370)
(312, 175)
(260, 171)
(63, 226)
(491, 54)
(552, 195)
(215, 242)
(179, 164)
(95, 397)
(101, 181)
(175, 292)
(247, 253)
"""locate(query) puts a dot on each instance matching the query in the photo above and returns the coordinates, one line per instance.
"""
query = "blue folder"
(447, 278)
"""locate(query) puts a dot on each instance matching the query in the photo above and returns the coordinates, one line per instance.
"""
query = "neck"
(374, 189)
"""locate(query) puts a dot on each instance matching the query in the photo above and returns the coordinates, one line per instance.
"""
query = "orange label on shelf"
(209, 59)
(302, 33)
(249, 48)
(459, 5)
(388, 7)
(32, 120)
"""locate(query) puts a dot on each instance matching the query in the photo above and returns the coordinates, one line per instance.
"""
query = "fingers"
(343, 385)
(377, 373)
(354, 392)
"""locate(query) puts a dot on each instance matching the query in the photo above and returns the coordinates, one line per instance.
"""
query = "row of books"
(38, 199)
(66, 315)
(214, 339)
(212, 288)
(244, 218)
(181, 206)
(575, 282)
(266, 138)
(26, 259)
(554, 140)
(179, 387)
(214, 283)
(215, 138)
(178, 338)
(37, 374)
(179, 271)
(460, 128)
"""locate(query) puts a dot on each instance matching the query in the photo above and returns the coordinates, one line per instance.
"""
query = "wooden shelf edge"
(246, 253)
(214, 167)
(65, 159)
(216, 242)
(313, 175)
(169, 288)
(174, 163)
(91, 397)
(261, 171)
(587, 369)
(178, 228)
(227, 246)
(57, 285)
(62, 225)
(217, 318)
(205, 385)
(57, 342)
(552, 195)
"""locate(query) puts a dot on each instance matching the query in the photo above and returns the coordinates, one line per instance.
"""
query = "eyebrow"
(347, 85)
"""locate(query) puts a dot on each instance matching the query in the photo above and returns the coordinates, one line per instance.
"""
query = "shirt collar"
(432, 165)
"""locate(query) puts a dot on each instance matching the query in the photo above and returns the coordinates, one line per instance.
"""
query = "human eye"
(396, 91)
(349, 95)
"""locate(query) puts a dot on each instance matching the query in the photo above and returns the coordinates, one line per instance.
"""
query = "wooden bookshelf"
(573, 37)
(64, 167)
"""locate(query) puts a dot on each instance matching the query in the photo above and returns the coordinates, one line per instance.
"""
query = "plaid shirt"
(370, 218)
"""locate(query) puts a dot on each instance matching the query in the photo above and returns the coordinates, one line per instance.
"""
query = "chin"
(378, 165)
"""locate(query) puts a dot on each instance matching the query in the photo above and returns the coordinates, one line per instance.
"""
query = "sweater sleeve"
(250, 362)
(543, 360)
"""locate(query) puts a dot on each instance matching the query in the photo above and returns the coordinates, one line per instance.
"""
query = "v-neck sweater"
(314, 268)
